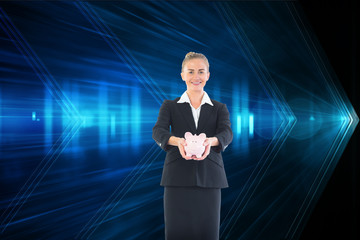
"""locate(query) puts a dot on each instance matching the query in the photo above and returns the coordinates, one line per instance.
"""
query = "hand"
(181, 145)
(207, 143)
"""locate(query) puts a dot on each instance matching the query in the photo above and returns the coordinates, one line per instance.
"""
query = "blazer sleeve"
(223, 129)
(161, 131)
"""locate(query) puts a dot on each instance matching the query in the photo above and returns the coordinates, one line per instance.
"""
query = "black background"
(335, 214)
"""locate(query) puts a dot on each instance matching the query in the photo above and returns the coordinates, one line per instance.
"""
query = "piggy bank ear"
(188, 135)
(202, 136)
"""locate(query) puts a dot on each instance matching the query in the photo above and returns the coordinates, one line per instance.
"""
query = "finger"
(206, 153)
(186, 157)
(183, 142)
(182, 152)
(207, 150)
(202, 157)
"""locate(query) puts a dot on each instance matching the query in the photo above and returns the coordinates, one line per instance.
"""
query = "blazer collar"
(205, 99)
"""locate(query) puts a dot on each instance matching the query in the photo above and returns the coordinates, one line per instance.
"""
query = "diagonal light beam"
(150, 85)
(280, 105)
(121, 51)
(348, 125)
(74, 124)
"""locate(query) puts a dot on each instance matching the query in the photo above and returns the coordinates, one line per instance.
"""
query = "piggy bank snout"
(195, 144)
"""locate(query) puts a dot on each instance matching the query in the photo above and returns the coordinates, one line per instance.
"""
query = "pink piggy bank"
(194, 144)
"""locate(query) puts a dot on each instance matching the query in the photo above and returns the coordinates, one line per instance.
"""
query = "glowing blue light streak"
(123, 118)
(113, 125)
(48, 110)
(103, 116)
(251, 125)
(135, 118)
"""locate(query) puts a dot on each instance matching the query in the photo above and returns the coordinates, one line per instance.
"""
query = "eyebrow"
(193, 69)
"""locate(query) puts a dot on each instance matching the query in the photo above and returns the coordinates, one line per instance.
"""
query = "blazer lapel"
(186, 112)
(205, 113)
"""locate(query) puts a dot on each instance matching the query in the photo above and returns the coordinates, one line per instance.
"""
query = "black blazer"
(174, 120)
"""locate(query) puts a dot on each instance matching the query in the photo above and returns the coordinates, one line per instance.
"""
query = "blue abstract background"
(81, 87)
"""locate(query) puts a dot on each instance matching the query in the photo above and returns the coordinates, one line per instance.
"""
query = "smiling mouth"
(196, 83)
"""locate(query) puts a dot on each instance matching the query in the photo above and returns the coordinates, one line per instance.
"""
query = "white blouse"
(195, 112)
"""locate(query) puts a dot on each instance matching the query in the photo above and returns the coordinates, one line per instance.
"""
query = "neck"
(195, 96)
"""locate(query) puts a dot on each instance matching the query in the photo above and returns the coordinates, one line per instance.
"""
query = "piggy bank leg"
(198, 155)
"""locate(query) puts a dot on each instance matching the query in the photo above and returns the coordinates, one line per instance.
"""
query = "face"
(195, 74)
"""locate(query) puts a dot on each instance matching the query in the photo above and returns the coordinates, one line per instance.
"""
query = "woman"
(192, 193)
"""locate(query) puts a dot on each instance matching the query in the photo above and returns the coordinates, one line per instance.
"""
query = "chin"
(197, 88)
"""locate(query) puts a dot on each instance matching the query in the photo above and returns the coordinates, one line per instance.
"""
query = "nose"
(197, 76)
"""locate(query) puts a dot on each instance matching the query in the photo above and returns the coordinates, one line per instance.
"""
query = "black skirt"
(192, 213)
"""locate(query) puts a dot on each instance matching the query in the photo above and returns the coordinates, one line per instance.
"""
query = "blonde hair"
(193, 55)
